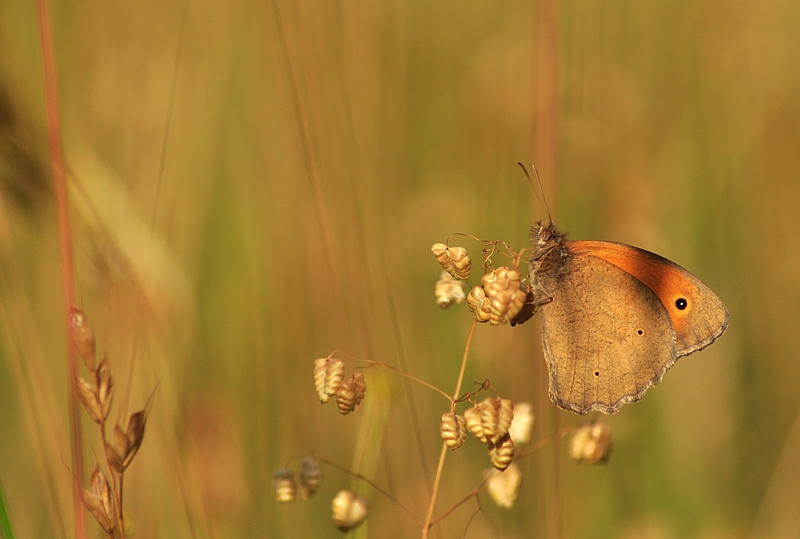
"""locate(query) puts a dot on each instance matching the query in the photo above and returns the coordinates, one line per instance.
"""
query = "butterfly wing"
(607, 336)
(697, 315)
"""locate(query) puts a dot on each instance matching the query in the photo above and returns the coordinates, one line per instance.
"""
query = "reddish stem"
(65, 246)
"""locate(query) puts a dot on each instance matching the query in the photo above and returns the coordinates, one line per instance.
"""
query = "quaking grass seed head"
(490, 419)
(506, 294)
(591, 443)
(522, 424)
(349, 510)
(503, 487)
(284, 485)
(454, 260)
(328, 376)
(449, 291)
(479, 305)
(351, 393)
(502, 453)
(310, 477)
(453, 430)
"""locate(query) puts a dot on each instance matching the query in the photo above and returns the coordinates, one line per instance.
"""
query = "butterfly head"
(545, 238)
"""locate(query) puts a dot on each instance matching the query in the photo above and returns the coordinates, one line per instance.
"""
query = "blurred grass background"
(313, 153)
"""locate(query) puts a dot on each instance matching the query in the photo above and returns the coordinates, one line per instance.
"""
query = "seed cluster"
(102, 500)
(329, 381)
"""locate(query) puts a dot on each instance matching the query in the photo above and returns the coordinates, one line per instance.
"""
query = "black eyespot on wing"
(681, 303)
(597, 374)
(640, 332)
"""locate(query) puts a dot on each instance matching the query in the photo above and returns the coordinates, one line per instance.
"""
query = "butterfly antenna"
(541, 189)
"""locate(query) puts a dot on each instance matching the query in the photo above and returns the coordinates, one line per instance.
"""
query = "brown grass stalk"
(426, 527)
(65, 247)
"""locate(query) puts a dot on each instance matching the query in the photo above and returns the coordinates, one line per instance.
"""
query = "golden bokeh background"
(256, 184)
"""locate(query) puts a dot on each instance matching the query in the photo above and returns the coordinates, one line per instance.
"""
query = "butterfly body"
(614, 318)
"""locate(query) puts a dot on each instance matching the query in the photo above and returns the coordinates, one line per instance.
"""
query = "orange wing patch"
(666, 279)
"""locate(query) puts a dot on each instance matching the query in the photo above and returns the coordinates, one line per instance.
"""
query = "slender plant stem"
(436, 482)
(370, 483)
(119, 509)
(65, 246)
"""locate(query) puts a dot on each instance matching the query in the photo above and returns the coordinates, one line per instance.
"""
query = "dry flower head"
(310, 477)
(503, 487)
(328, 375)
(591, 443)
(453, 430)
(99, 500)
(454, 260)
(449, 291)
(349, 510)
(502, 453)
(522, 424)
(284, 485)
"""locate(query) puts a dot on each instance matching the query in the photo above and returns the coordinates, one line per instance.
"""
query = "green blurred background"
(312, 153)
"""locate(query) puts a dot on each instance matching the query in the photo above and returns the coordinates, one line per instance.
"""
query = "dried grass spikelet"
(125, 444)
(349, 510)
(328, 375)
(472, 416)
(83, 337)
(99, 500)
(479, 305)
(591, 443)
(97, 396)
(522, 424)
(503, 487)
(506, 294)
(361, 386)
(502, 453)
(490, 420)
(449, 291)
(454, 260)
(351, 393)
(284, 485)
(453, 430)
(310, 477)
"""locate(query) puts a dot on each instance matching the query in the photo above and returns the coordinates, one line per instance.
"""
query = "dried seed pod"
(591, 443)
(502, 453)
(472, 416)
(495, 416)
(361, 386)
(310, 477)
(88, 397)
(125, 444)
(104, 382)
(527, 311)
(346, 396)
(506, 294)
(99, 500)
(328, 375)
(490, 410)
(522, 424)
(479, 305)
(97, 397)
(349, 510)
(454, 260)
(449, 291)
(83, 337)
(453, 430)
(284, 485)
(503, 487)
